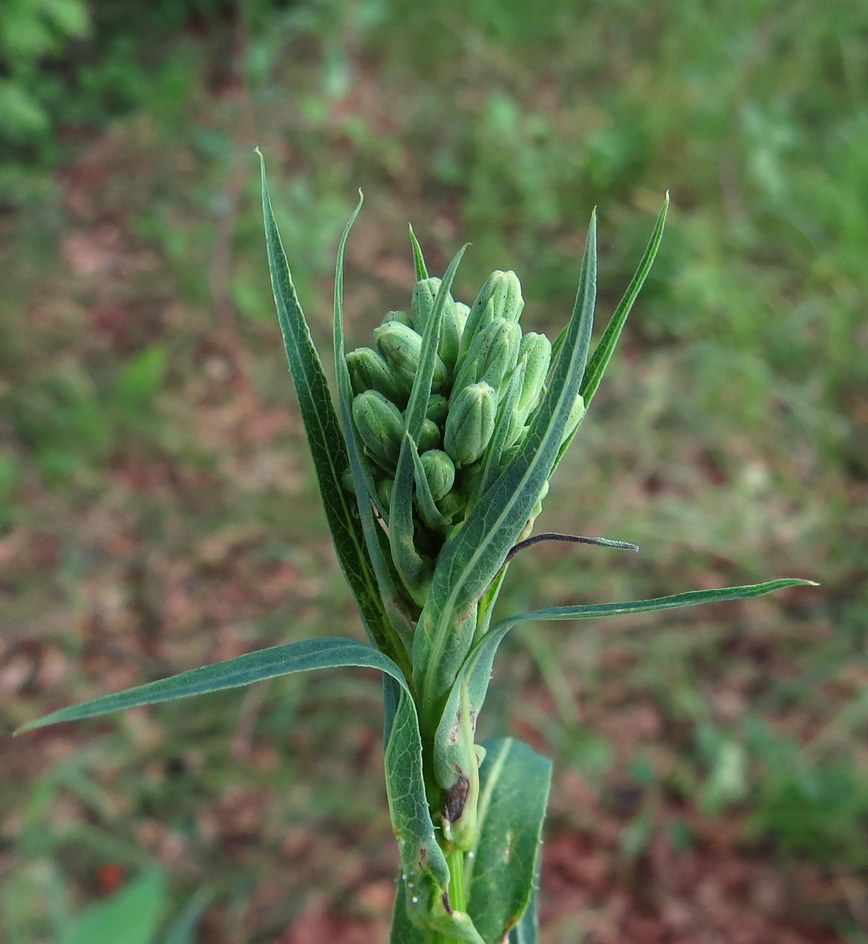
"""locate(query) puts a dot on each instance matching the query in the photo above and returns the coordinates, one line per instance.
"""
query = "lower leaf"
(502, 873)
(423, 863)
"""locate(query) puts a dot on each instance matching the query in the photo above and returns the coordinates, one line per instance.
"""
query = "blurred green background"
(157, 508)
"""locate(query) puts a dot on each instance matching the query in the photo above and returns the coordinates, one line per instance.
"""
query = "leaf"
(428, 510)
(527, 930)
(415, 570)
(327, 445)
(606, 346)
(472, 556)
(502, 874)
(676, 600)
(494, 452)
(131, 916)
(421, 857)
(418, 258)
(398, 628)
(402, 931)
(476, 671)
(303, 656)
(183, 928)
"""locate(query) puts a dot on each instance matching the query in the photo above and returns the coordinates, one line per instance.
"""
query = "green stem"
(457, 891)
(457, 895)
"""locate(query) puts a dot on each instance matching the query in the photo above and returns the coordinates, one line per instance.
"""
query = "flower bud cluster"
(488, 376)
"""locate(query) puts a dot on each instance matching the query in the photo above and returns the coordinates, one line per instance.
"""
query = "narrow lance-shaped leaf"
(415, 571)
(471, 558)
(476, 671)
(422, 859)
(502, 873)
(323, 430)
(494, 453)
(428, 510)
(527, 929)
(606, 345)
(398, 626)
(418, 258)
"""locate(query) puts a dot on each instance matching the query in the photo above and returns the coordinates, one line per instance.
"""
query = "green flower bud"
(424, 294)
(439, 471)
(517, 431)
(379, 424)
(499, 297)
(468, 480)
(492, 356)
(438, 408)
(575, 417)
(384, 492)
(470, 423)
(401, 347)
(400, 316)
(368, 371)
(452, 507)
(429, 436)
(538, 350)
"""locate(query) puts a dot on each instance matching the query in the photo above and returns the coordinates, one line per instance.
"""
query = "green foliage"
(71, 422)
(30, 32)
(131, 916)
(432, 616)
(505, 126)
(816, 809)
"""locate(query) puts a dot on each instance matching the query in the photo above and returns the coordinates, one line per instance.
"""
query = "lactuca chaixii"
(432, 471)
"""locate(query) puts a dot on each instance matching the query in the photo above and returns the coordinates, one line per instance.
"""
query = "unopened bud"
(424, 295)
(384, 492)
(401, 347)
(380, 425)
(368, 371)
(400, 316)
(492, 356)
(429, 436)
(438, 407)
(452, 507)
(439, 471)
(575, 417)
(499, 297)
(470, 423)
(537, 349)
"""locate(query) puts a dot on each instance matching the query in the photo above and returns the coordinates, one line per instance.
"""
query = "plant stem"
(457, 891)
(457, 895)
